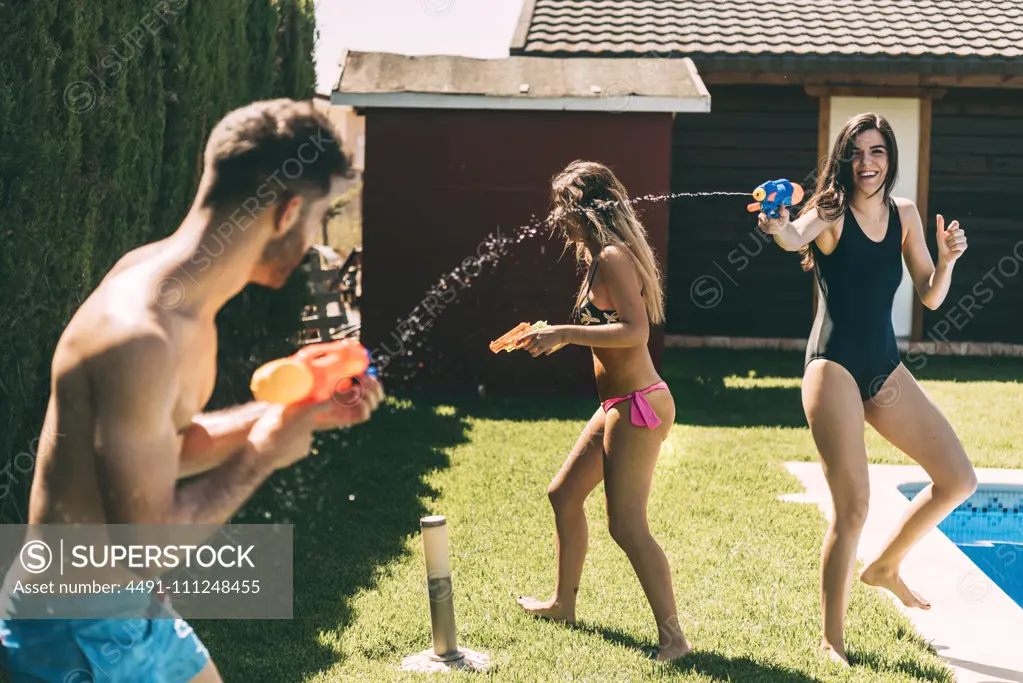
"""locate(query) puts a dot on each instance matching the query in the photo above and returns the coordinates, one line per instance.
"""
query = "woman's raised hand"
(772, 226)
(951, 241)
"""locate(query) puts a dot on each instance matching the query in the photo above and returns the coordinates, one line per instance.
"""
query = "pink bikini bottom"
(643, 414)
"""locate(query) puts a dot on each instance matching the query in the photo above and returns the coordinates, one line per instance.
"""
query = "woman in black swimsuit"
(854, 235)
(620, 444)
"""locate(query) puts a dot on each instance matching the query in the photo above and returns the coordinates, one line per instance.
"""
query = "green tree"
(104, 113)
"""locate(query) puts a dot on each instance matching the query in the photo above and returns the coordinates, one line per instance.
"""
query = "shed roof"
(981, 35)
(594, 84)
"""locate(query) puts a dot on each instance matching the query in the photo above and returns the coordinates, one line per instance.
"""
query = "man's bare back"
(119, 314)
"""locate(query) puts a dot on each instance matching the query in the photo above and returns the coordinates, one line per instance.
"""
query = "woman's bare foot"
(547, 610)
(673, 643)
(674, 649)
(889, 579)
(836, 654)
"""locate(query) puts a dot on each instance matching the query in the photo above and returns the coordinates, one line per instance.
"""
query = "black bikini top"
(589, 314)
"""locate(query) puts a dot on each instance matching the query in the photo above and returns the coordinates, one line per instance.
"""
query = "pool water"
(988, 528)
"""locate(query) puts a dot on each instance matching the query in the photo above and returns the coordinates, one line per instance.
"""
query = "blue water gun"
(773, 194)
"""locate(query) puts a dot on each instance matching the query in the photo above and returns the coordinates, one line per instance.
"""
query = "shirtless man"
(136, 365)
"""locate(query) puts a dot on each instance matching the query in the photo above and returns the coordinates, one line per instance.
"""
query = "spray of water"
(406, 342)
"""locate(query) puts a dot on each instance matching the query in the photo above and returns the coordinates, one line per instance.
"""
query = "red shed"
(459, 153)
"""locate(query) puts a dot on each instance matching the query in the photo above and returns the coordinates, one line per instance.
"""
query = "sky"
(467, 28)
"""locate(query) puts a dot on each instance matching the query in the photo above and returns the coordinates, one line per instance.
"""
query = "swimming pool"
(988, 528)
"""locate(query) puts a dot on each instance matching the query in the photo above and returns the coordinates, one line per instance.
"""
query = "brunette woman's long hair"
(602, 210)
(835, 183)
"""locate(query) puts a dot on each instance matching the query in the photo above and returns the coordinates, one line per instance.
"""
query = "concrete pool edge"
(972, 621)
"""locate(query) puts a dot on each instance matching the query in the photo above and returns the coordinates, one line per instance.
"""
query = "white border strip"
(972, 623)
(616, 104)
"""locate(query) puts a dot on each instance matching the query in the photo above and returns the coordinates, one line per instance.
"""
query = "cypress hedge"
(105, 109)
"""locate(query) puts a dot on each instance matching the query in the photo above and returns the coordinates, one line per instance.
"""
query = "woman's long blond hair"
(591, 192)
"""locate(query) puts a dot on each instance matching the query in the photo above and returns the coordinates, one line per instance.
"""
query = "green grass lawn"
(745, 566)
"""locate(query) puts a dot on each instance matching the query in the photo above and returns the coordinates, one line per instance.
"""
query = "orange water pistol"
(509, 341)
(312, 375)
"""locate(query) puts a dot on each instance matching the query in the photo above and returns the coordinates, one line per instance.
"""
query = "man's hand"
(282, 436)
(353, 406)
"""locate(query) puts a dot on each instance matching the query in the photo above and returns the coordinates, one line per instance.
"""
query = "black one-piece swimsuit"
(856, 287)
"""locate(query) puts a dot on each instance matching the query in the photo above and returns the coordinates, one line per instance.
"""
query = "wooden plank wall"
(723, 278)
(977, 177)
(427, 246)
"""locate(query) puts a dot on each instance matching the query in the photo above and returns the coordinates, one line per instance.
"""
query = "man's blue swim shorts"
(159, 647)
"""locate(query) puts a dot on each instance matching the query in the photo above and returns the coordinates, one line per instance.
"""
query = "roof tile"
(964, 28)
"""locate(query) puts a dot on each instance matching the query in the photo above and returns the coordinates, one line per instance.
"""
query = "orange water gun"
(509, 341)
(312, 375)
